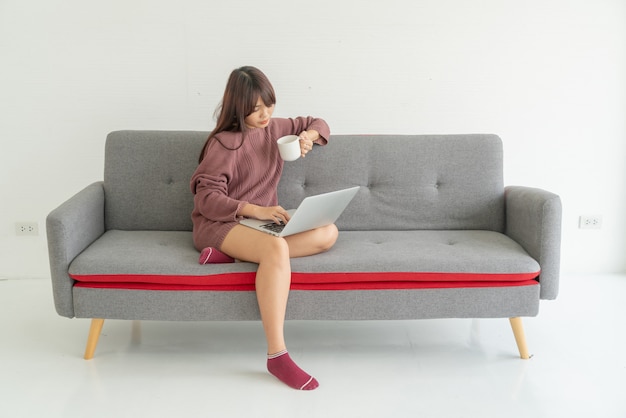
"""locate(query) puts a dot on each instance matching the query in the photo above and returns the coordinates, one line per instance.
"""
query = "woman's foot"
(212, 255)
(282, 366)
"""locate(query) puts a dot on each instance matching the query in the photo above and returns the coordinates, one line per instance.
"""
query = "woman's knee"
(275, 250)
(330, 233)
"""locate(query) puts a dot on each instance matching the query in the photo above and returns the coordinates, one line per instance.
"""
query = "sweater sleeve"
(297, 125)
(209, 184)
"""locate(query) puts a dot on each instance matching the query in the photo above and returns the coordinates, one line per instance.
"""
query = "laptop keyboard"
(274, 227)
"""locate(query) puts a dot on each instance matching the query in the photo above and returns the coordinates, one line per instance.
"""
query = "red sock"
(212, 255)
(283, 367)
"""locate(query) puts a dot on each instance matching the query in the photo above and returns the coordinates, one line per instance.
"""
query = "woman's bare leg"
(312, 242)
(273, 280)
(273, 277)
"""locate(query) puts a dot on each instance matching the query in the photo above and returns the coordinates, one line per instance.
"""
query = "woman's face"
(260, 116)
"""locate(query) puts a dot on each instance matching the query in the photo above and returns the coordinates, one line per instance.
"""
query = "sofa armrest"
(71, 228)
(533, 220)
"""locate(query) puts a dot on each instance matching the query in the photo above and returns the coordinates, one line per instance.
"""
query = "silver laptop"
(314, 212)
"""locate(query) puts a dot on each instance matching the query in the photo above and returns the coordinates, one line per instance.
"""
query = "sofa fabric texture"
(445, 182)
(156, 257)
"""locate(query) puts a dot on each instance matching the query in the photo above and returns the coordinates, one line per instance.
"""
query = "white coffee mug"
(289, 147)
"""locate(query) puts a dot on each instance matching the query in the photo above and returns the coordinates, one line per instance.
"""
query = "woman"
(237, 176)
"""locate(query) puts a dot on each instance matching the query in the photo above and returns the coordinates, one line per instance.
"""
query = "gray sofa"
(432, 233)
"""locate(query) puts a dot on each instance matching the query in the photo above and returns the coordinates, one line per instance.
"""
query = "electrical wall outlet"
(26, 228)
(590, 222)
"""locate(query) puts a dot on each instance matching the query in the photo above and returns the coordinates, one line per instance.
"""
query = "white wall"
(548, 77)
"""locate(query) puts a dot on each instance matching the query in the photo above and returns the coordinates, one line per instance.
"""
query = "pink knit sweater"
(227, 179)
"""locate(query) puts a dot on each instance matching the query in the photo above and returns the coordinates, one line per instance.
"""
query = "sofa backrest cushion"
(146, 179)
(407, 181)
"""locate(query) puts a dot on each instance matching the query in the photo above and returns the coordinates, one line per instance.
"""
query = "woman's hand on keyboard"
(275, 214)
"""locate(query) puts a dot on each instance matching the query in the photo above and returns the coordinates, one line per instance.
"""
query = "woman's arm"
(315, 127)
(209, 184)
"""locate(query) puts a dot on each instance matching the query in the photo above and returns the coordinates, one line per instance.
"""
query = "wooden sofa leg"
(94, 335)
(520, 337)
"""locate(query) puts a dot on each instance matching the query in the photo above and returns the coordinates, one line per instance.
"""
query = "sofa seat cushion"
(167, 260)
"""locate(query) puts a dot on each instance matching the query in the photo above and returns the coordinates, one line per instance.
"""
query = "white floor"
(432, 368)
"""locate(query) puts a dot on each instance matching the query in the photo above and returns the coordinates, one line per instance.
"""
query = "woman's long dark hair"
(244, 87)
